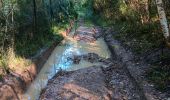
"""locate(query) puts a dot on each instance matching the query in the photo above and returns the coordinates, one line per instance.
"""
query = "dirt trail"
(107, 81)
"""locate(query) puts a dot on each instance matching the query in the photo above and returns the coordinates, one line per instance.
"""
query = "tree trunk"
(149, 10)
(51, 13)
(34, 18)
(163, 20)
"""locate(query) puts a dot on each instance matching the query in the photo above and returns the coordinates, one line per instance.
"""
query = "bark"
(51, 13)
(149, 10)
(163, 19)
(34, 18)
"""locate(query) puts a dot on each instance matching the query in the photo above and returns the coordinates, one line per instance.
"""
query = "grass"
(142, 38)
(19, 57)
(160, 76)
(29, 47)
(17, 63)
(4, 65)
(88, 23)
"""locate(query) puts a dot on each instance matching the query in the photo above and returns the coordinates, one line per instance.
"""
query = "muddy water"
(58, 60)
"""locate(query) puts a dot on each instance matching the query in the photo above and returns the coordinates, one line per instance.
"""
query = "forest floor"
(117, 78)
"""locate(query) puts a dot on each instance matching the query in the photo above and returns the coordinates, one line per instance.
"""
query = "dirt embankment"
(13, 85)
(136, 69)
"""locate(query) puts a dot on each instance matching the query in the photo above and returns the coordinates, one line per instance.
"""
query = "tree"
(34, 17)
(163, 20)
(51, 13)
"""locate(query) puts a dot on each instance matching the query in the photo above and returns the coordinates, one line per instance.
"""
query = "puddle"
(58, 60)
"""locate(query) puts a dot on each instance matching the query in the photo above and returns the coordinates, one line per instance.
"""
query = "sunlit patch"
(59, 60)
(75, 89)
(71, 50)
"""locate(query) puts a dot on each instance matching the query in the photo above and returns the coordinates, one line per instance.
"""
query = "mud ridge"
(14, 85)
(136, 71)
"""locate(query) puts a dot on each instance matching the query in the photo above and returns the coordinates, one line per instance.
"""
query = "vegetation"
(26, 26)
(138, 27)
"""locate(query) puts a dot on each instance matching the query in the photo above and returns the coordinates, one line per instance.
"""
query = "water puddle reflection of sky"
(58, 60)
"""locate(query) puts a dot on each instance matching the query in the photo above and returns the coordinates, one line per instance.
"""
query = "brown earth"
(110, 81)
(14, 84)
(122, 80)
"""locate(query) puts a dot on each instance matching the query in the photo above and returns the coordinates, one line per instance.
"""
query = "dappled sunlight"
(83, 29)
(16, 63)
(81, 92)
(40, 39)
(59, 60)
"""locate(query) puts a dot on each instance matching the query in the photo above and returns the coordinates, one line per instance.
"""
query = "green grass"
(142, 38)
(4, 65)
(160, 76)
(145, 38)
(26, 48)
(88, 23)
(29, 47)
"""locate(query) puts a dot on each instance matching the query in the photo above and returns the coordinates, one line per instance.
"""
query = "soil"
(117, 78)
(124, 79)
(109, 81)
(13, 85)
(93, 83)
(136, 68)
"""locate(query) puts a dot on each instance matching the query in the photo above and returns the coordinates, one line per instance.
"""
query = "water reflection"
(58, 60)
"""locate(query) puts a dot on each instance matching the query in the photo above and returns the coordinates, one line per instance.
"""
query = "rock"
(106, 61)
(75, 59)
(88, 84)
(92, 57)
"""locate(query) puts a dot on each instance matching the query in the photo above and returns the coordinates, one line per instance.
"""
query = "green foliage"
(17, 25)
(3, 64)
(141, 38)
(160, 76)
(137, 26)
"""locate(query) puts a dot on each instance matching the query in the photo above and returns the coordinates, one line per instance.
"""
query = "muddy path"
(66, 57)
(105, 78)
(90, 65)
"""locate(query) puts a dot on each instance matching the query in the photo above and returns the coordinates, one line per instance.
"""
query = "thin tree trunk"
(34, 18)
(13, 29)
(163, 19)
(149, 10)
(51, 13)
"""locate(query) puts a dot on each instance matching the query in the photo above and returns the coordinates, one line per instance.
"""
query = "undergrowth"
(141, 39)
(25, 48)
(160, 76)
